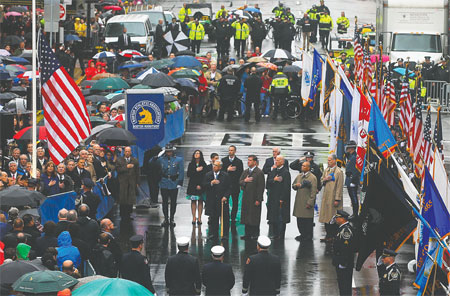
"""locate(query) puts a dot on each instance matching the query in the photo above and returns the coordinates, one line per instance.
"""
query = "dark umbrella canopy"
(291, 69)
(187, 83)
(96, 99)
(8, 96)
(45, 281)
(116, 137)
(185, 61)
(185, 52)
(117, 98)
(16, 196)
(176, 41)
(96, 120)
(13, 40)
(11, 272)
(159, 64)
(18, 89)
(88, 83)
(158, 80)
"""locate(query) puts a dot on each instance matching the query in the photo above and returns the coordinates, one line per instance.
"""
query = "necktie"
(215, 176)
(128, 160)
(125, 39)
(14, 176)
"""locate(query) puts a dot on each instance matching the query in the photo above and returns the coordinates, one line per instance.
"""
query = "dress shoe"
(165, 223)
(245, 237)
(172, 224)
(298, 238)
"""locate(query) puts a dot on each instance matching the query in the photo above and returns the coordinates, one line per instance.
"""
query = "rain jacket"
(182, 14)
(66, 251)
(242, 30)
(197, 32)
(80, 28)
(22, 251)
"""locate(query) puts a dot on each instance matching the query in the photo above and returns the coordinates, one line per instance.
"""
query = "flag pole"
(33, 86)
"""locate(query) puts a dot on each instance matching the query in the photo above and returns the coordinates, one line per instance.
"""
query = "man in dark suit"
(41, 159)
(89, 227)
(234, 167)
(100, 168)
(65, 182)
(217, 186)
(124, 40)
(262, 273)
(159, 40)
(173, 26)
(127, 168)
(12, 172)
(182, 272)
(80, 173)
(218, 277)
(88, 197)
(107, 226)
(214, 156)
(269, 165)
(134, 265)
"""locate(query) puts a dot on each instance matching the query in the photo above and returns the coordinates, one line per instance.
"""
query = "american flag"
(358, 50)
(367, 73)
(405, 109)
(437, 137)
(416, 137)
(427, 145)
(390, 100)
(66, 118)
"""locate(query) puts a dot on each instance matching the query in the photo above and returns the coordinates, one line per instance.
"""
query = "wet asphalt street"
(306, 269)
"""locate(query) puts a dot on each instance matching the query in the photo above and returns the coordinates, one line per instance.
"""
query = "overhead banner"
(145, 116)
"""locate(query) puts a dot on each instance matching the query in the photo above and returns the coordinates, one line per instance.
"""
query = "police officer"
(443, 70)
(278, 10)
(182, 272)
(134, 266)
(196, 35)
(315, 169)
(223, 33)
(342, 25)
(343, 252)
(172, 174)
(276, 25)
(279, 91)
(218, 277)
(262, 272)
(228, 91)
(352, 176)
(184, 13)
(240, 36)
(428, 69)
(325, 27)
(390, 279)
(313, 16)
(222, 13)
(289, 15)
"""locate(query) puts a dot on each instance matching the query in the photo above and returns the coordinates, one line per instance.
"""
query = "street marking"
(217, 139)
(257, 139)
(297, 140)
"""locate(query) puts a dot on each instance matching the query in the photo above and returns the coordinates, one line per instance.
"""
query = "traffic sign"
(62, 12)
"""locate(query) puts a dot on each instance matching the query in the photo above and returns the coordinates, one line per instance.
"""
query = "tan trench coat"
(332, 191)
(305, 196)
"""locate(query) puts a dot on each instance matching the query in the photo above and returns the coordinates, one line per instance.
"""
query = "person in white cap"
(182, 272)
(262, 273)
(218, 277)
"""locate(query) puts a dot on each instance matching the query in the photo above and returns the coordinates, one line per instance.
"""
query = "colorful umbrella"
(27, 133)
(103, 55)
(72, 38)
(268, 66)
(27, 75)
(113, 8)
(110, 84)
(13, 13)
(44, 281)
(176, 41)
(185, 73)
(112, 287)
(144, 73)
(257, 60)
(130, 65)
(103, 75)
(129, 53)
(185, 61)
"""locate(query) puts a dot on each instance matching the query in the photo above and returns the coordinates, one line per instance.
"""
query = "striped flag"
(416, 137)
(405, 109)
(367, 73)
(373, 89)
(390, 101)
(358, 50)
(427, 146)
(437, 137)
(66, 118)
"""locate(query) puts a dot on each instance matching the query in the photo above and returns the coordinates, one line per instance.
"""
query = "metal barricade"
(445, 98)
(434, 90)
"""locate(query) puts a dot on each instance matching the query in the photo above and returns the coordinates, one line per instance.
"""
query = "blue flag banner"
(423, 274)
(344, 129)
(145, 116)
(174, 128)
(316, 77)
(382, 135)
(50, 207)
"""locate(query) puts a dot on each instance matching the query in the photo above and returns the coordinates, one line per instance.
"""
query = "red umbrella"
(28, 74)
(27, 133)
(115, 8)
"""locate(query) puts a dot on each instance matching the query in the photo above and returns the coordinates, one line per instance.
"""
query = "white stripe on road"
(217, 139)
(297, 140)
(257, 140)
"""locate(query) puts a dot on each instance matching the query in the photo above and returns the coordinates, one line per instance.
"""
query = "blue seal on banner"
(145, 115)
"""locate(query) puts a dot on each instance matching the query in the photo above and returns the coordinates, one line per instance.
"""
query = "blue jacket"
(66, 251)
(172, 171)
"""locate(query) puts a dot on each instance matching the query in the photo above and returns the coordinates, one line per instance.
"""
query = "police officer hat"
(217, 251)
(88, 183)
(309, 154)
(169, 147)
(264, 242)
(350, 144)
(427, 58)
(342, 214)
(399, 60)
(183, 241)
(343, 53)
(388, 253)
(136, 239)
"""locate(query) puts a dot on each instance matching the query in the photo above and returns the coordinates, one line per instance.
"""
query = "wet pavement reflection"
(306, 267)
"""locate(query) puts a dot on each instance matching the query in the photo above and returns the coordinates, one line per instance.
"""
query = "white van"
(139, 28)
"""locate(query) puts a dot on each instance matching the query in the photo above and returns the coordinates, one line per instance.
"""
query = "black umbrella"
(8, 96)
(116, 136)
(117, 98)
(185, 52)
(18, 89)
(86, 91)
(291, 69)
(11, 272)
(18, 9)
(4, 75)
(16, 196)
(13, 40)
(133, 81)
(96, 99)
(158, 80)
(169, 98)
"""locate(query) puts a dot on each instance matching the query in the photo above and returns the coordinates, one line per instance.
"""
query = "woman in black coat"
(195, 193)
